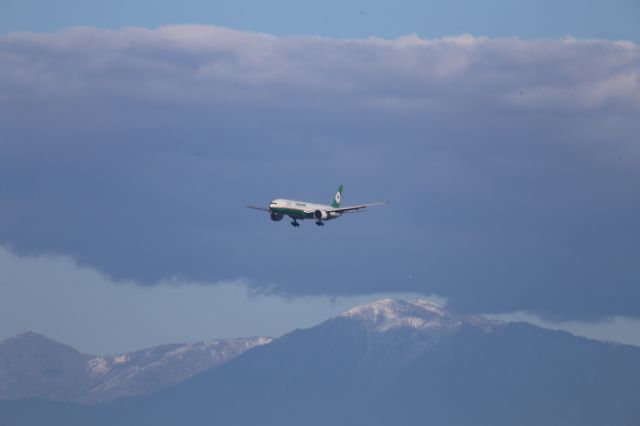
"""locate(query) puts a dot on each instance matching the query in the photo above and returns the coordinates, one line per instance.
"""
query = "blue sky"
(617, 19)
(127, 157)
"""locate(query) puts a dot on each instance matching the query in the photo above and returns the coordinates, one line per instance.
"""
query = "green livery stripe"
(292, 212)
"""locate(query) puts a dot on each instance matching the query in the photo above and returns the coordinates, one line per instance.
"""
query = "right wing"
(353, 209)
(259, 208)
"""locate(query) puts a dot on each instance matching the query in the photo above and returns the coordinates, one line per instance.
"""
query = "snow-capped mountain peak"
(387, 314)
(420, 314)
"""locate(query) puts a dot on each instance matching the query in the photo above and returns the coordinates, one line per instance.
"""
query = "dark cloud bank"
(513, 166)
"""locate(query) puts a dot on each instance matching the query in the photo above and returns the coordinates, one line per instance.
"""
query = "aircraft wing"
(359, 208)
(264, 209)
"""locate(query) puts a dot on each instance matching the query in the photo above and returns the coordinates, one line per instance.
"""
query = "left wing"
(259, 208)
(353, 209)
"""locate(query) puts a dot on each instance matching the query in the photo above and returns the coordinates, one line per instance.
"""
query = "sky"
(616, 19)
(504, 135)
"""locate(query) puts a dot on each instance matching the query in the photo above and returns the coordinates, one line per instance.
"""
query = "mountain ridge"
(32, 365)
(398, 362)
(389, 362)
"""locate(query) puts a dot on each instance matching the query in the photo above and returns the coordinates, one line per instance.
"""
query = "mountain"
(157, 368)
(33, 366)
(389, 363)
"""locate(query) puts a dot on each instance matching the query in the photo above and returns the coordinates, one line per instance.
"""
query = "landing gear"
(320, 223)
(295, 223)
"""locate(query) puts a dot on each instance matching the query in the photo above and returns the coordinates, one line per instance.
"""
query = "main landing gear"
(295, 223)
(320, 223)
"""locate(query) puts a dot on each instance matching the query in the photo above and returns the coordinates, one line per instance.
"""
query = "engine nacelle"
(275, 216)
(320, 215)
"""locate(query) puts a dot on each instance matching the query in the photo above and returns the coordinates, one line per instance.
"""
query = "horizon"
(575, 329)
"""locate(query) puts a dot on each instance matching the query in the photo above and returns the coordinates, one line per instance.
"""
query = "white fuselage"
(301, 209)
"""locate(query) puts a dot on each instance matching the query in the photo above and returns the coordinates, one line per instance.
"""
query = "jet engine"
(320, 215)
(275, 216)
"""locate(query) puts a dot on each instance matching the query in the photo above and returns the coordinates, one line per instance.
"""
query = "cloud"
(512, 165)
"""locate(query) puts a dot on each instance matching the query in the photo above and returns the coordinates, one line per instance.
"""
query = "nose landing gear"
(295, 223)
(320, 223)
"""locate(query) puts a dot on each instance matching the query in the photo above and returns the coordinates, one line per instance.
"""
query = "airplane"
(301, 210)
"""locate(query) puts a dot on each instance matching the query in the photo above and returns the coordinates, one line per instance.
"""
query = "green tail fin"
(337, 199)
